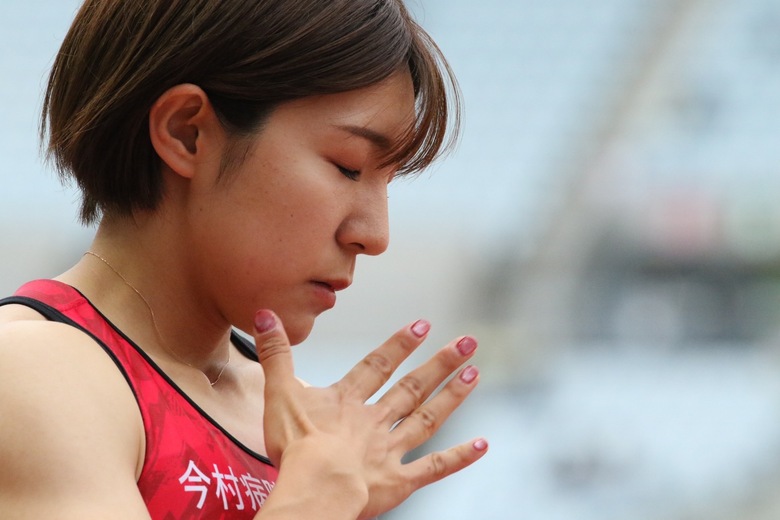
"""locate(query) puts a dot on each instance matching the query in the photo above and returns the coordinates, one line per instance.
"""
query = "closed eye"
(350, 174)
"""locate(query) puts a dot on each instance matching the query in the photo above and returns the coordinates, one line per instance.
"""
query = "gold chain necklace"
(154, 322)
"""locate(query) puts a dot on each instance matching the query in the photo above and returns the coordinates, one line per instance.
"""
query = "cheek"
(257, 250)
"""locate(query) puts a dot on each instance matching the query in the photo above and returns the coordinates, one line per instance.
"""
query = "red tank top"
(193, 468)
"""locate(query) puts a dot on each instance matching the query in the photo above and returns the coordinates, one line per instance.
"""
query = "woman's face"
(285, 228)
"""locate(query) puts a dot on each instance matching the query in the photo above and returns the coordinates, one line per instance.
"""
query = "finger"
(438, 465)
(273, 347)
(414, 388)
(375, 369)
(426, 420)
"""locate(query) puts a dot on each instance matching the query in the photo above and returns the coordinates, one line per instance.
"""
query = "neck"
(140, 285)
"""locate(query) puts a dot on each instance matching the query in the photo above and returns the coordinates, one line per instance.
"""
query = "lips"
(334, 285)
(325, 291)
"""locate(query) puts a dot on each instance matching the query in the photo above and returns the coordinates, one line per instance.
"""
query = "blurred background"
(608, 229)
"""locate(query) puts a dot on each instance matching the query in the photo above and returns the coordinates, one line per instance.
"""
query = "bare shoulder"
(16, 312)
(72, 436)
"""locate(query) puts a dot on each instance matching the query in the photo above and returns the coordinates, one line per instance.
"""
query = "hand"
(363, 444)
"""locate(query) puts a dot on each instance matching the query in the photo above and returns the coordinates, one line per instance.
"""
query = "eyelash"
(349, 174)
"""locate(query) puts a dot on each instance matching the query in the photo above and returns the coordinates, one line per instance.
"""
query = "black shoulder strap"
(47, 311)
(244, 346)
(52, 314)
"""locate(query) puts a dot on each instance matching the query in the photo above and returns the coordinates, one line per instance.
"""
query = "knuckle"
(379, 363)
(458, 390)
(272, 347)
(438, 466)
(406, 341)
(384, 413)
(427, 420)
(464, 456)
(452, 359)
(413, 386)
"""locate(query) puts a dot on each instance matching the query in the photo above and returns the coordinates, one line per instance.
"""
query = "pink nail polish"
(469, 374)
(467, 345)
(264, 320)
(480, 445)
(420, 328)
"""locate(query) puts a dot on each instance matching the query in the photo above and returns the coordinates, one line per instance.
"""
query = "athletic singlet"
(193, 468)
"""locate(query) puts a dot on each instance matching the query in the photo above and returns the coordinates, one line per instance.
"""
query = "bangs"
(436, 127)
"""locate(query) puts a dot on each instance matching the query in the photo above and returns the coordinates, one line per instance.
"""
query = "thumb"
(273, 347)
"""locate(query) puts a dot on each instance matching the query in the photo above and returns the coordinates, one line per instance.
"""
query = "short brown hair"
(248, 56)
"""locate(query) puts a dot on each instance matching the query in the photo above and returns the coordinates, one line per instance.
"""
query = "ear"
(181, 122)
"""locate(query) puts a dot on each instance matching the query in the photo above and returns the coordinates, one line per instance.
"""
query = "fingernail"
(467, 345)
(420, 328)
(264, 320)
(480, 445)
(469, 374)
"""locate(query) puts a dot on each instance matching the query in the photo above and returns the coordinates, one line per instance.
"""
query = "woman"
(236, 156)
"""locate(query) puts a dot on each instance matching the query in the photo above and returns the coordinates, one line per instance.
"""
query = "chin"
(296, 339)
(298, 329)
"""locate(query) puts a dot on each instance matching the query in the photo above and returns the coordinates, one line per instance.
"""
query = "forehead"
(386, 108)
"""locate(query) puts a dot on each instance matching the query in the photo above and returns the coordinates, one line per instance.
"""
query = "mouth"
(325, 290)
(333, 285)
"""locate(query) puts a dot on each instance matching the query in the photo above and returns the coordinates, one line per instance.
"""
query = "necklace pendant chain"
(154, 323)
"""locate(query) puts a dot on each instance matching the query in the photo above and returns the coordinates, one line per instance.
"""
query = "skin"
(280, 234)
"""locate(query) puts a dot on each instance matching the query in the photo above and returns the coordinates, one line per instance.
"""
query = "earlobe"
(177, 121)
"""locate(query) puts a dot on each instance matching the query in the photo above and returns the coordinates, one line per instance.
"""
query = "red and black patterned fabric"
(193, 468)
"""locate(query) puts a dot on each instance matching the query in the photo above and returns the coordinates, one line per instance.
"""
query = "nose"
(366, 230)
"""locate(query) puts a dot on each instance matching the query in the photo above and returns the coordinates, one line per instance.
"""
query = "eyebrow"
(379, 140)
